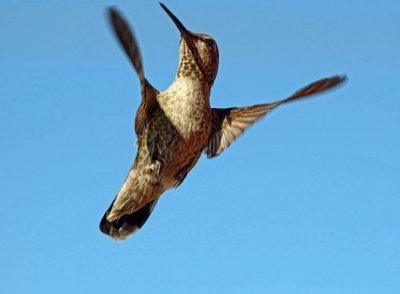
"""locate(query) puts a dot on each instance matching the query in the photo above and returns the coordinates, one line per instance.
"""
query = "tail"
(128, 224)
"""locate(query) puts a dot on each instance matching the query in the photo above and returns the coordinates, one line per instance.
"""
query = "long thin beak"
(187, 36)
(179, 25)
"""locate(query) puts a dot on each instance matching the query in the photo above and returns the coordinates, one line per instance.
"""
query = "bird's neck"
(191, 90)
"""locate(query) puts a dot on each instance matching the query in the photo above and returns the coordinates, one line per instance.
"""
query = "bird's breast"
(186, 105)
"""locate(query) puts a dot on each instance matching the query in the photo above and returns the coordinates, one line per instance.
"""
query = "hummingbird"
(176, 126)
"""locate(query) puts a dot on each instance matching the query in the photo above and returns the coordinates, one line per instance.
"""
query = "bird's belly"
(183, 155)
(187, 149)
(176, 139)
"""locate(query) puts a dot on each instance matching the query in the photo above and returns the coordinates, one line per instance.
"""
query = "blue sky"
(307, 201)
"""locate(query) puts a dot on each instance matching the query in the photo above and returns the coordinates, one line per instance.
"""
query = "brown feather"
(130, 45)
(230, 123)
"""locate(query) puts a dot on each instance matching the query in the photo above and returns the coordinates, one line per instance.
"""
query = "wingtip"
(112, 13)
(341, 78)
(334, 81)
(112, 10)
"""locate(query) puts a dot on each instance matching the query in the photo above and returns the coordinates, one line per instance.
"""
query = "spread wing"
(230, 123)
(130, 45)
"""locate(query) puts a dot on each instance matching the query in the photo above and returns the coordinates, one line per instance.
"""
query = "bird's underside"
(166, 151)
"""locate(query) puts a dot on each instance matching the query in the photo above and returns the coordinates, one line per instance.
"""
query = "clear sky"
(307, 201)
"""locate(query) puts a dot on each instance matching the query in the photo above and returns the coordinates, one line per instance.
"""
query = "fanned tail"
(128, 224)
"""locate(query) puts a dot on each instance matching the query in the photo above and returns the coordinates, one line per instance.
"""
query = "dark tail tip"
(128, 224)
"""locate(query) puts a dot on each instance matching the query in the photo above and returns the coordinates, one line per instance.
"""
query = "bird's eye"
(210, 43)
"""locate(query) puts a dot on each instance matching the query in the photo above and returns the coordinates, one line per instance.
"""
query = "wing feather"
(128, 42)
(230, 123)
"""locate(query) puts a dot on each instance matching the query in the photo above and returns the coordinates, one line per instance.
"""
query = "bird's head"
(199, 57)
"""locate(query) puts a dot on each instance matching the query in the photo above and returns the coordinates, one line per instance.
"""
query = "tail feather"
(128, 224)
